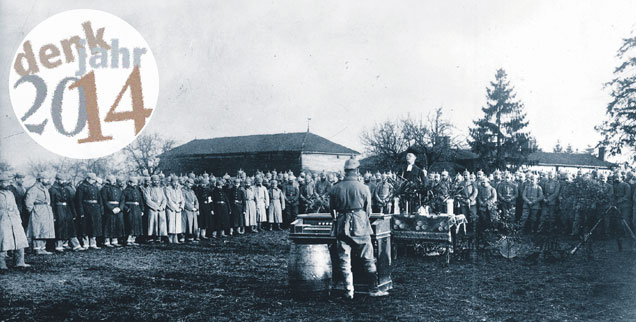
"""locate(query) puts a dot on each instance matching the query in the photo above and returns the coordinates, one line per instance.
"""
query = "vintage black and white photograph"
(191, 160)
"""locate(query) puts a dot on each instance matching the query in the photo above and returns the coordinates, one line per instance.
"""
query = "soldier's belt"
(237, 202)
(113, 202)
(40, 203)
(90, 201)
(220, 202)
(132, 203)
(61, 203)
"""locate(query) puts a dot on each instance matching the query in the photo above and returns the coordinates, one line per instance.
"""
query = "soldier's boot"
(374, 291)
(18, 257)
(3, 261)
(202, 234)
(114, 242)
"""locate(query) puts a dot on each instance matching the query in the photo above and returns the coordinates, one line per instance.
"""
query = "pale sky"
(231, 68)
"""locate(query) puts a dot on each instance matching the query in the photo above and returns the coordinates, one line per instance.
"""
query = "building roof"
(283, 142)
(576, 160)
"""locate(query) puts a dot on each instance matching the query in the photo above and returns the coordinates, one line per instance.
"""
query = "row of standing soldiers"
(531, 202)
(121, 211)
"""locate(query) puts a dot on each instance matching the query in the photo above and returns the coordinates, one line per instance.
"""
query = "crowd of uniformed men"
(119, 211)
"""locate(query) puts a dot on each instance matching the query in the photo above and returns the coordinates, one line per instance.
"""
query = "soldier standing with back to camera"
(351, 200)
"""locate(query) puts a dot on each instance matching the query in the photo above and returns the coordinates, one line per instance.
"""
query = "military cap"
(154, 177)
(191, 175)
(133, 180)
(206, 175)
(59, 176)
(351, 164)
(91, 176)
(18, 175)
(226, 177)
(190, 181)
(174, 179)
(99, 180)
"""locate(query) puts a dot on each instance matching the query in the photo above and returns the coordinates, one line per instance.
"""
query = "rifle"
(589, 234)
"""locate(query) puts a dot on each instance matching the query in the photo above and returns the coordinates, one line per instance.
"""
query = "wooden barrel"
(309, 269)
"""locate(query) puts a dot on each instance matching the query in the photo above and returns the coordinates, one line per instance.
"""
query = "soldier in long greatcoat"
(221, 209)
(205, 219)
(190, 211)
(236, 195)
(41, 222)
(155, 200)
(250, 205)
(19, 192)
(12, 237)
(113, 218)
(276, 206)
(63, 213)
(174, 209)
(262, 202)
(90, 209)
(132, 205)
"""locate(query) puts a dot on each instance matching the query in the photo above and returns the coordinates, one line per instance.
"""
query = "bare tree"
(433, 137)
(144, 152)
(386, 141)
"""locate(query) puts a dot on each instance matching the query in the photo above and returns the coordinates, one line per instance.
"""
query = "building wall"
(221, 164)
(326, 162)
(571, 170)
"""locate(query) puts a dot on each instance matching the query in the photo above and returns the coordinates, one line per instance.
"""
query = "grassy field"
(245, 278)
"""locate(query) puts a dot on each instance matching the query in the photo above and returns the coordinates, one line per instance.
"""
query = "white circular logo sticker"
(83, 83)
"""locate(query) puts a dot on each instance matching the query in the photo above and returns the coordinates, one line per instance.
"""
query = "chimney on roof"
(601, 153)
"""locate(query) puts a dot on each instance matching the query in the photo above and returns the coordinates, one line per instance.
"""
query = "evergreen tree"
(619, 131)
(499, 137)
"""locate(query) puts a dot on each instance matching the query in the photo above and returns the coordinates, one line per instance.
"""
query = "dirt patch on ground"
(245, 278)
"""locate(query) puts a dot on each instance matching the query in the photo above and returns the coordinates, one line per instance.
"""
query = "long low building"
(569, 162)
(281, 152)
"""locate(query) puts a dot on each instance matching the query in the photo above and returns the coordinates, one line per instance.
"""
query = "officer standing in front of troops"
(12, 237)
(41, 222)
(132, 206)
(551, 190)
(63, 212)
(507, 195)
(113, 223)
(20, 193)
(532, 197)
(351, 201)
(520, 181)
(90, 209)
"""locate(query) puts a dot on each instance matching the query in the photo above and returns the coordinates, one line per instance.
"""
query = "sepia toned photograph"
(165, 160)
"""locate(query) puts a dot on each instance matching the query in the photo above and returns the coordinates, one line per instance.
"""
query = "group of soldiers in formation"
(120, 211)
(117, 211)
(530, 202)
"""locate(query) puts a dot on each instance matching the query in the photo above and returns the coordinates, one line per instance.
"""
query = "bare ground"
(245, 278)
